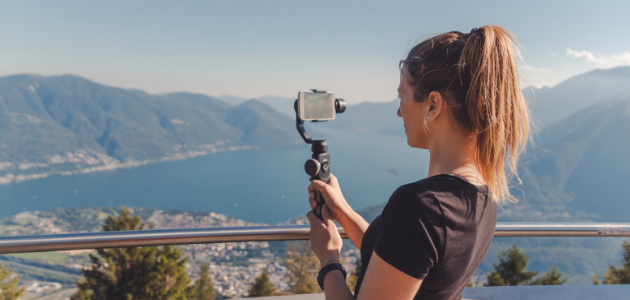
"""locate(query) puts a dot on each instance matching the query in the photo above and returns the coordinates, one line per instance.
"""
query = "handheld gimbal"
(318, 167)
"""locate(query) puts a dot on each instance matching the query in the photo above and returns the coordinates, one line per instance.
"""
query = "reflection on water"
(267, 185)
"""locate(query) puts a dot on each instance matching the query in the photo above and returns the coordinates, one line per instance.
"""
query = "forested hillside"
(66, 124)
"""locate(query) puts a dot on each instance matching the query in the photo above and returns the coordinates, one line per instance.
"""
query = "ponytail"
(477, 74)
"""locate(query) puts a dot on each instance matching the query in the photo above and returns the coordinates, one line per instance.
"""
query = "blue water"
(264, 185)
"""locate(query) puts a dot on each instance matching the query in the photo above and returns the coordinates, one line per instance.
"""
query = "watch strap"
(326, 269)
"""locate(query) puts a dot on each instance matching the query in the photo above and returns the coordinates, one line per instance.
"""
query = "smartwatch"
(326, 269)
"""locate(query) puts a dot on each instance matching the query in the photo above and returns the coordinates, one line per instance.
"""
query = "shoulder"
(414, 199)
(428, 196)
(422, 191)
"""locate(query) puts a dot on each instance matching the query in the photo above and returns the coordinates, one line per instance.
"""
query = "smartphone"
(316, 106)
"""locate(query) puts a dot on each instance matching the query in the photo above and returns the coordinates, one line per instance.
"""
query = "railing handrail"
(110, 239)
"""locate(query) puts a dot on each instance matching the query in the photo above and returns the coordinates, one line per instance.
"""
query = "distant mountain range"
(581, 164)
(281, 104)
(68, 124)
(577, 166)
(552, 105)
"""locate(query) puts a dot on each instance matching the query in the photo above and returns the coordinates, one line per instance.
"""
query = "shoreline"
(115, 164)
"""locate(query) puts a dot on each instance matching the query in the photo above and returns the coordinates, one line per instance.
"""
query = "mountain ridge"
(68, 124)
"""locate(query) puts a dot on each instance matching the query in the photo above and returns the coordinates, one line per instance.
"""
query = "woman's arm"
(354, 225)
(382, 281)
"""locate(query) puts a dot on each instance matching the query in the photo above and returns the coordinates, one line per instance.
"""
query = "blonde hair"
(477, 74)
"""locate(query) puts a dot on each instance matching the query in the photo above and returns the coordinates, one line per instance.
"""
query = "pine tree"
(9, 285)
(204, 286)
(618, 275)
(511, 269)
(136, 273)
(550, 278)
(353, 277)
(302, 266)
(262, 286)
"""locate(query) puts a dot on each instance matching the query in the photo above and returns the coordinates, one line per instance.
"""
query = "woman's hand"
(333, 197)
(325, 239)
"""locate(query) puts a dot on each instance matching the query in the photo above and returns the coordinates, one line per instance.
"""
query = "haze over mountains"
(68, 124)
(581, 164)
(551, 105)
(62, 124)
(577, 167)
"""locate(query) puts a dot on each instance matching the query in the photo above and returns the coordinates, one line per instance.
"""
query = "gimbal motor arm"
(340, 106)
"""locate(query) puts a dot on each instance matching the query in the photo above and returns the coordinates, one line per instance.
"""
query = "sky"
(254, 48)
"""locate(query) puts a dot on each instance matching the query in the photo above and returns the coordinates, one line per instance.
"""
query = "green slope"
(68, 123)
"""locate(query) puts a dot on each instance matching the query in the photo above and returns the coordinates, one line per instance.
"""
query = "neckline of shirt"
(461, 178)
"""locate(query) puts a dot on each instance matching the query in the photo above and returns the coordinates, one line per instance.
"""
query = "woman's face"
(414, 115)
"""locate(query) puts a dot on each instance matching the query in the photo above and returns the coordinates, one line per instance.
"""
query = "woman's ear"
(436, 102)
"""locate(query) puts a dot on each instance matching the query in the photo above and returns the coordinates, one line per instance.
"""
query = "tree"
(353, 277)
(204, 287)
(511, 269)
(9, 285)
(262, 286)
(302, 265)
(550, 278)
(618, 275)
(136, 273)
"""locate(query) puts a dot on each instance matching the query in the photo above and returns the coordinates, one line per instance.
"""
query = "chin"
(409, 142)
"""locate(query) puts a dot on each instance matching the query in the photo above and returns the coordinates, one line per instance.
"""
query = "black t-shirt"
(437, 229)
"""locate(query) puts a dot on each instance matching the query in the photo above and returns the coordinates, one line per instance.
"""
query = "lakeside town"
(233, 266)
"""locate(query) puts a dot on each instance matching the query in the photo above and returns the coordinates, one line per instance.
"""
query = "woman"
(460, 99)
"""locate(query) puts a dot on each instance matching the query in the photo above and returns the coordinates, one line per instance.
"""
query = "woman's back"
(437, 230)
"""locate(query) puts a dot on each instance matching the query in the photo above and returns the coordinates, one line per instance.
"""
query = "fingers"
(326, 215)
(313, 219)
(317, 185)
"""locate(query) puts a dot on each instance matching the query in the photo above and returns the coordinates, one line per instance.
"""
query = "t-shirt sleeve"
(408, 234)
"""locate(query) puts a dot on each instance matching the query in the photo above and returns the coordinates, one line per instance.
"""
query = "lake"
(263, 185)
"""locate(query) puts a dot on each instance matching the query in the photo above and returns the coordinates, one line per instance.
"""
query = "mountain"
(371, 117)
(581, 164)
(62, 124)
(232, 100)
(551, 105)
(283, 105)
(261, 124)
(576, 171)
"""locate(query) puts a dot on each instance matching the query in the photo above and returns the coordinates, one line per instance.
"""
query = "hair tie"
(474, 30)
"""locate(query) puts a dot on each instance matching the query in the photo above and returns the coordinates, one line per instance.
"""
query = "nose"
(398, 112)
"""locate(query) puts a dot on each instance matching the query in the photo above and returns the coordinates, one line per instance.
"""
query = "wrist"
(324, 275)
(328, 258)
(329, 261)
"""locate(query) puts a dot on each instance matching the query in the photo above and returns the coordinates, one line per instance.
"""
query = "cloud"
(534, 69)
(601, 61)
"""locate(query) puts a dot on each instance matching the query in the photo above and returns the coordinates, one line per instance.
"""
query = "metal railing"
(110, 239)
